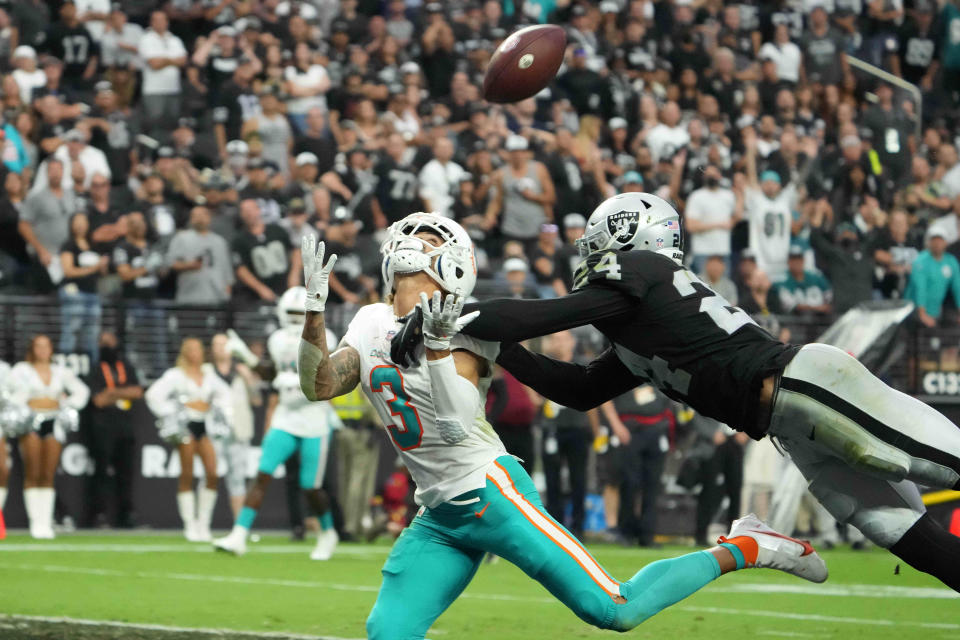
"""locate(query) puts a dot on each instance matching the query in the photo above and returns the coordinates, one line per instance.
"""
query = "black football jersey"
(666, 327)
(684, 338)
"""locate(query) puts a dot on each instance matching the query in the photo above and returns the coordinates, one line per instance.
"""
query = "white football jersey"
(402, 399)
(294, 413)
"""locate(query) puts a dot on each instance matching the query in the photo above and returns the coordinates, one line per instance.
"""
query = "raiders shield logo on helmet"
(622, 225)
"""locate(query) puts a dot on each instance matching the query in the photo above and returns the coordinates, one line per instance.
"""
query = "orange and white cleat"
(773, 550)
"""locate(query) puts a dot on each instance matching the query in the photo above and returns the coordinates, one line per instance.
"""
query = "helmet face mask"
(291, 307)
(633, 222)
(450, 263)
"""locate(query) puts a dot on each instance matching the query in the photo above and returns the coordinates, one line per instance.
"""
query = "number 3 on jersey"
(409, 432)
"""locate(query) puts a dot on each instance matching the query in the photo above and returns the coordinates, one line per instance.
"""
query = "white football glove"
(442, 322)
(239, 349)
(316, 275)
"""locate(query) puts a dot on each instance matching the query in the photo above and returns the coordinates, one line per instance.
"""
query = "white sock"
(206, 501)
(47, 500)
(30, 502)
(186, 505)
(240, 530)
(3, 497)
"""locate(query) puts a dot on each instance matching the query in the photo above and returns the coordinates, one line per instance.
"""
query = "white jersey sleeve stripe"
(499, 476)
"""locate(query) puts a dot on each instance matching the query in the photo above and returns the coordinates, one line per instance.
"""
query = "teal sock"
(737, 554)
(246, 517)
(661, 584)
(326, 520)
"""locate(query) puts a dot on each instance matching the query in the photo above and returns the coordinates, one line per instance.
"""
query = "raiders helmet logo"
(622, 225)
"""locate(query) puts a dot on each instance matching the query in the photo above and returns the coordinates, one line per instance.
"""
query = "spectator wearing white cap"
(306, 83)
(120, 41)
(304, 184)
(27, 74)
(522, 195)
(439, 178)
(163, 55)
(515, 275)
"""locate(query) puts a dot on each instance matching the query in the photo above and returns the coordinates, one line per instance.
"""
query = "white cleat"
(44, 533)
(326, 542)
(203, 534)
(191, 532)
(234, 542)
(777, 551)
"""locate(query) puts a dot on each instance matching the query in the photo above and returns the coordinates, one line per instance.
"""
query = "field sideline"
(150, 587)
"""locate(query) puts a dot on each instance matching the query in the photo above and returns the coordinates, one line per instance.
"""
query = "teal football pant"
(438, 554)
(279, 445)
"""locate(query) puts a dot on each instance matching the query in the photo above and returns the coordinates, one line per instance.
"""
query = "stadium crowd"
(177, 151)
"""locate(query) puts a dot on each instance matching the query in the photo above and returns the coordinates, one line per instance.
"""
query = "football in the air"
(524, 63)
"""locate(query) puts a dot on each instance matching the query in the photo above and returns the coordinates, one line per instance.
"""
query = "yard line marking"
(39, 547)
(787, 634)
(473, 596)
(273, 582)
(163, 627)
(825, 590)
(879, 622)
(845, 590)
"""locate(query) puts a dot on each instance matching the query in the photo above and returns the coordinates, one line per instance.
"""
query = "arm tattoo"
(339, 372)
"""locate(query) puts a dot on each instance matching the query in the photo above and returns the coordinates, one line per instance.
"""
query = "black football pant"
(113, 446)
(573, 447)
(727, 460)
(642, 465)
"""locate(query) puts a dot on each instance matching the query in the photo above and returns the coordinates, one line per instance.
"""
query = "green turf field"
(276, 591)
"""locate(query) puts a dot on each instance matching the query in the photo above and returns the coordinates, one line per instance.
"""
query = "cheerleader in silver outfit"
(193, 405)
(42, 401)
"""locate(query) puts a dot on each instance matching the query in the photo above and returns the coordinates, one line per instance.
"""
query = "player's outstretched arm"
(580, 387)
(511, 320)
(322, 375)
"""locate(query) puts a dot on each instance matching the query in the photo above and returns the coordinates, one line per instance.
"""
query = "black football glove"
(404, 345)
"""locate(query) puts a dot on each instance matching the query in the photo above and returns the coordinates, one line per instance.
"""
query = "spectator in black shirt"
(106, 222)
(317, 140)
(114, 387)
(80, 309)
(69, 40)
(164, 212)
(304, 185)
(438, 42)
(218, 57)
(396, 194)
(543, 260)
(348, 282)
(587, 90)
(266, 262)
(261, 187)
(113, 130)
(141, 266)
(237, 103)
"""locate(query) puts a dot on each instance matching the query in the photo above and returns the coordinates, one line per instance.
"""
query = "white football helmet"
(631, 222)
(291, 307)
(451, 265)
